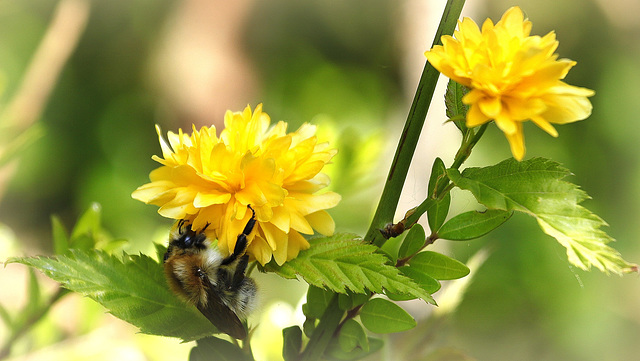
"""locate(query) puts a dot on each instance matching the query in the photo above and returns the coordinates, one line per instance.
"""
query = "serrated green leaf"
(424, 280)
(343, 262)
(413, 241)
(455, 108)
(382, 316)
(161, 249)
(473, 224)
(438, 266)
(60, 236)
(352, 336)
(132, 288)
(536, 187)
(292, 343)
(437, 214)
(212, 348)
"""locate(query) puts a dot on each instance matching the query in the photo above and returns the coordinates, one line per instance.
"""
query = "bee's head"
(184, 239)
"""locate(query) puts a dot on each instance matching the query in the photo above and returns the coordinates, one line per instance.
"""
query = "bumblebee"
(197, 272)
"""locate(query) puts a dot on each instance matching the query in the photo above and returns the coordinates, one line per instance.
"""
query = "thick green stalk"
(330, 320)
(323, 334)
(411, 132)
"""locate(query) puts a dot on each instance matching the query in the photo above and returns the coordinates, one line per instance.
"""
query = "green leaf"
(536, 187)
(382, 316)
(132, 288)
(89, 222)
(424, 280)
(473, 224)
(438, 266)
(33, 293)
(343, 262)
(335, 352)
(212, 348)
(437, 214)
(292, 342)
(352, 336)
(60, 236)
(351, 300)
(309, 326)
(413, 241)
(317, 301)
(456, 110)
(6, 317)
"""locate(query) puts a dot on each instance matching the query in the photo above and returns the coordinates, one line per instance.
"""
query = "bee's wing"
(221, 316)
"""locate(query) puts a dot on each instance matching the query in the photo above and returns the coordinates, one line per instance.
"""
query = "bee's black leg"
(252, 222)
(241, 242)
(238, 275)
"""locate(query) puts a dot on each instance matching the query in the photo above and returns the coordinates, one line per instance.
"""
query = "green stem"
(461, 156)
(331, 317)
(467, 145)
(324, 332)
(31, 320)
(411, 132)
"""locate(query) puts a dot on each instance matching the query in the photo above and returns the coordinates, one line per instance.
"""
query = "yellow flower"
(512, 77)
(211, 180)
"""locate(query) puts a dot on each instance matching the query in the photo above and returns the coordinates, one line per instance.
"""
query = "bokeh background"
(89, 79)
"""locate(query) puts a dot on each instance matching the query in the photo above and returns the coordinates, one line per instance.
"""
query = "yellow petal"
(296, 244)
(491, 107)
(516, 142)
(322, 222)
(151, 191)
(311, 203)
(300, 224)
(476, 117)
(260, 250)
(544, 125)
(179, 206)
(203, 200)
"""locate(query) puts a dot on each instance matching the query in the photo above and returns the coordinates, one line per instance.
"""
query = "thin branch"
(31, 320)
(59, 41)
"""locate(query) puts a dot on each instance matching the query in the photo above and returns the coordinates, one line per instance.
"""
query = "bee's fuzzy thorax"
(197, 271)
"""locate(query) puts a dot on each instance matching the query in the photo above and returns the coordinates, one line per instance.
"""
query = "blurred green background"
(351, 68)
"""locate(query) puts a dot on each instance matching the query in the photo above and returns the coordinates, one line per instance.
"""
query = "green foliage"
(455, 109)
(536, 187)
(132, 288)
(212, 348)
(382, 316)
(437, 214)
(343, 262)
(87, 233)
(351, 300)
(473, 224)
(413, 242)
(352, 336)
(438, 266)
(335, 351)
(425, 281)
(292, 342)
(317, 301)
